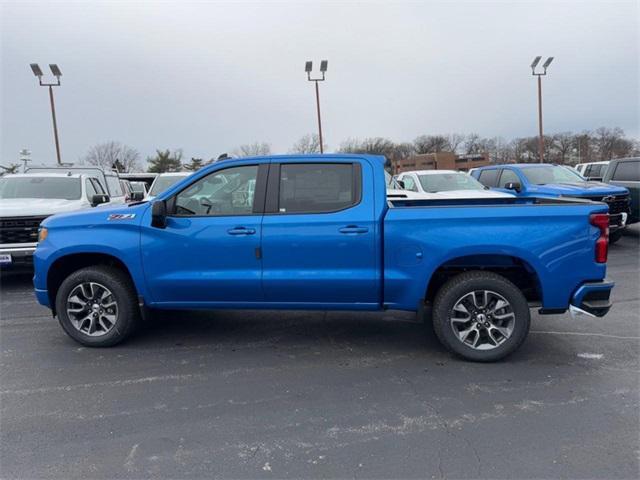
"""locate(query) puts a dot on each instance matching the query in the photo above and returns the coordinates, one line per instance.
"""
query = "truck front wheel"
(481, 316)
(97, 306)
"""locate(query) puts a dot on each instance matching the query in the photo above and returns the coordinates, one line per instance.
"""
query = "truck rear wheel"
(97, 306)
(481, 316)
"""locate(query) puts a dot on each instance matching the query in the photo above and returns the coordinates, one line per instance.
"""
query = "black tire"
(615, 236)
(123, 293)
(460, 285)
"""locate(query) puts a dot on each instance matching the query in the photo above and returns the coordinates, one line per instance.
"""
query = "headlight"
(42, 234)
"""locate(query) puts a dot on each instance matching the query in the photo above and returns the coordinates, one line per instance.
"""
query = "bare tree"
(432, 144)
(455, 141)
(252, 149)
(309, 143)
(561, 147)
(110, 154)
(611, 143)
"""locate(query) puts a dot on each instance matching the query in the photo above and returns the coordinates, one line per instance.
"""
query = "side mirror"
(99, 199)
(594, 179)
(159, 214)
(400, 184)
(137, 196)
(513, 186)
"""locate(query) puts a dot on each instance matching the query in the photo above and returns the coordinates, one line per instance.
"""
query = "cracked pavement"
(306, 395)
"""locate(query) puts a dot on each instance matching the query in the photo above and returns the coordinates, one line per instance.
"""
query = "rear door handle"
(241, 231)
(353, 230)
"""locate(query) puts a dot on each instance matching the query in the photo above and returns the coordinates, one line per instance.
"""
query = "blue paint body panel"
(529, 189)
(302, 261)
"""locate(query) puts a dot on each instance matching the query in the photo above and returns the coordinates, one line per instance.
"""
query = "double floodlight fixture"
(55, 70)
(308, 67)
(545, 65)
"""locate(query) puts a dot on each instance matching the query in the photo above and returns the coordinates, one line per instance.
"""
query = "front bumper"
(19, 254)
(592, 299)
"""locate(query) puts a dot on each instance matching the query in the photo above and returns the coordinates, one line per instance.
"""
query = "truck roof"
(292, 156)
(521, 165)
(432, 172)
(47, 175)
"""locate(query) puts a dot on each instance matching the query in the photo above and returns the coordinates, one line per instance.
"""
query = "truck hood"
(36, 207)
(580, 189)
(100, 215)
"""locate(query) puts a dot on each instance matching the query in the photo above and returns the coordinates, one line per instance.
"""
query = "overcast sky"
(208, 76)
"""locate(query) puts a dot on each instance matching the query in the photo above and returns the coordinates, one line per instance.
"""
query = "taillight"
(601, 220)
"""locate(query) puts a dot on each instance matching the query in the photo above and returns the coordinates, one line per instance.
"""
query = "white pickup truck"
(27, 199)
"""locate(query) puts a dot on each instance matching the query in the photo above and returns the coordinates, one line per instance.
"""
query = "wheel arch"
(64, 266)
(515, 268)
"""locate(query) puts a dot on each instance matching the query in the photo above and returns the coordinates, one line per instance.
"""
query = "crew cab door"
(319, 235)
(208, 253)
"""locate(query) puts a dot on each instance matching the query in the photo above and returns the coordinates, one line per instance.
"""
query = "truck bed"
(547, 237)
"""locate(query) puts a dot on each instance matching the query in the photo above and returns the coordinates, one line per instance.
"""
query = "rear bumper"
(618, 221)
(592, 299)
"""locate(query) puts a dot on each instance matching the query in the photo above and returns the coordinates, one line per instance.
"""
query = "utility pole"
(546, 64)
(56, 73)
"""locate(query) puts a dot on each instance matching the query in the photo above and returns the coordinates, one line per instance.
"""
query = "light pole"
(25, 157)
(323, 68)
(546, 64)
(56, 73)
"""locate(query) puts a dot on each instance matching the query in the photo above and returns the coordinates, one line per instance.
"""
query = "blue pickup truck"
(318, 232)
(548, 180)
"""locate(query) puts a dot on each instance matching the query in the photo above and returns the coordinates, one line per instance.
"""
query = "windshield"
(163, 182)
(551, 174)
(40, 187)
(443, 182)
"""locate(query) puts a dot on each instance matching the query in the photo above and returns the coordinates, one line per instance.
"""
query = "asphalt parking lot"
(295, 394)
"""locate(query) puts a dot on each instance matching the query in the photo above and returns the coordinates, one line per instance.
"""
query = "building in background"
(443, 161)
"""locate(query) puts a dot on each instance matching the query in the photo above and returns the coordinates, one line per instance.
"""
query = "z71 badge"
(121, 216)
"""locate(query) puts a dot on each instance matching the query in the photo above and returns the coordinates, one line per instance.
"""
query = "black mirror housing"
(159, 214)
(137, 196)
(400, 183)
(513, 186)
(99, 199)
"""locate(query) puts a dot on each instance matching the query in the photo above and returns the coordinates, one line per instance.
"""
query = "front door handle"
(241, 231)
(353, 230)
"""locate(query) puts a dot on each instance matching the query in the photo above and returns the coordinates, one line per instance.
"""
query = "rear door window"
(317, 187)
(489, 178)
(627, 171)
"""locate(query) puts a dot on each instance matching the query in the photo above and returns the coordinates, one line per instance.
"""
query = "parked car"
(138, 186)
(317, 232)
(592, 170)
(109, 180)
(547, 180)
(625, 172)
(144, 177)
(27, 199)
(446, 184)
(126, 188)
(164, 181)
(396, 190)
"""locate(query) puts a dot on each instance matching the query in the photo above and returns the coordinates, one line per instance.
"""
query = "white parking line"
(586, 334)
